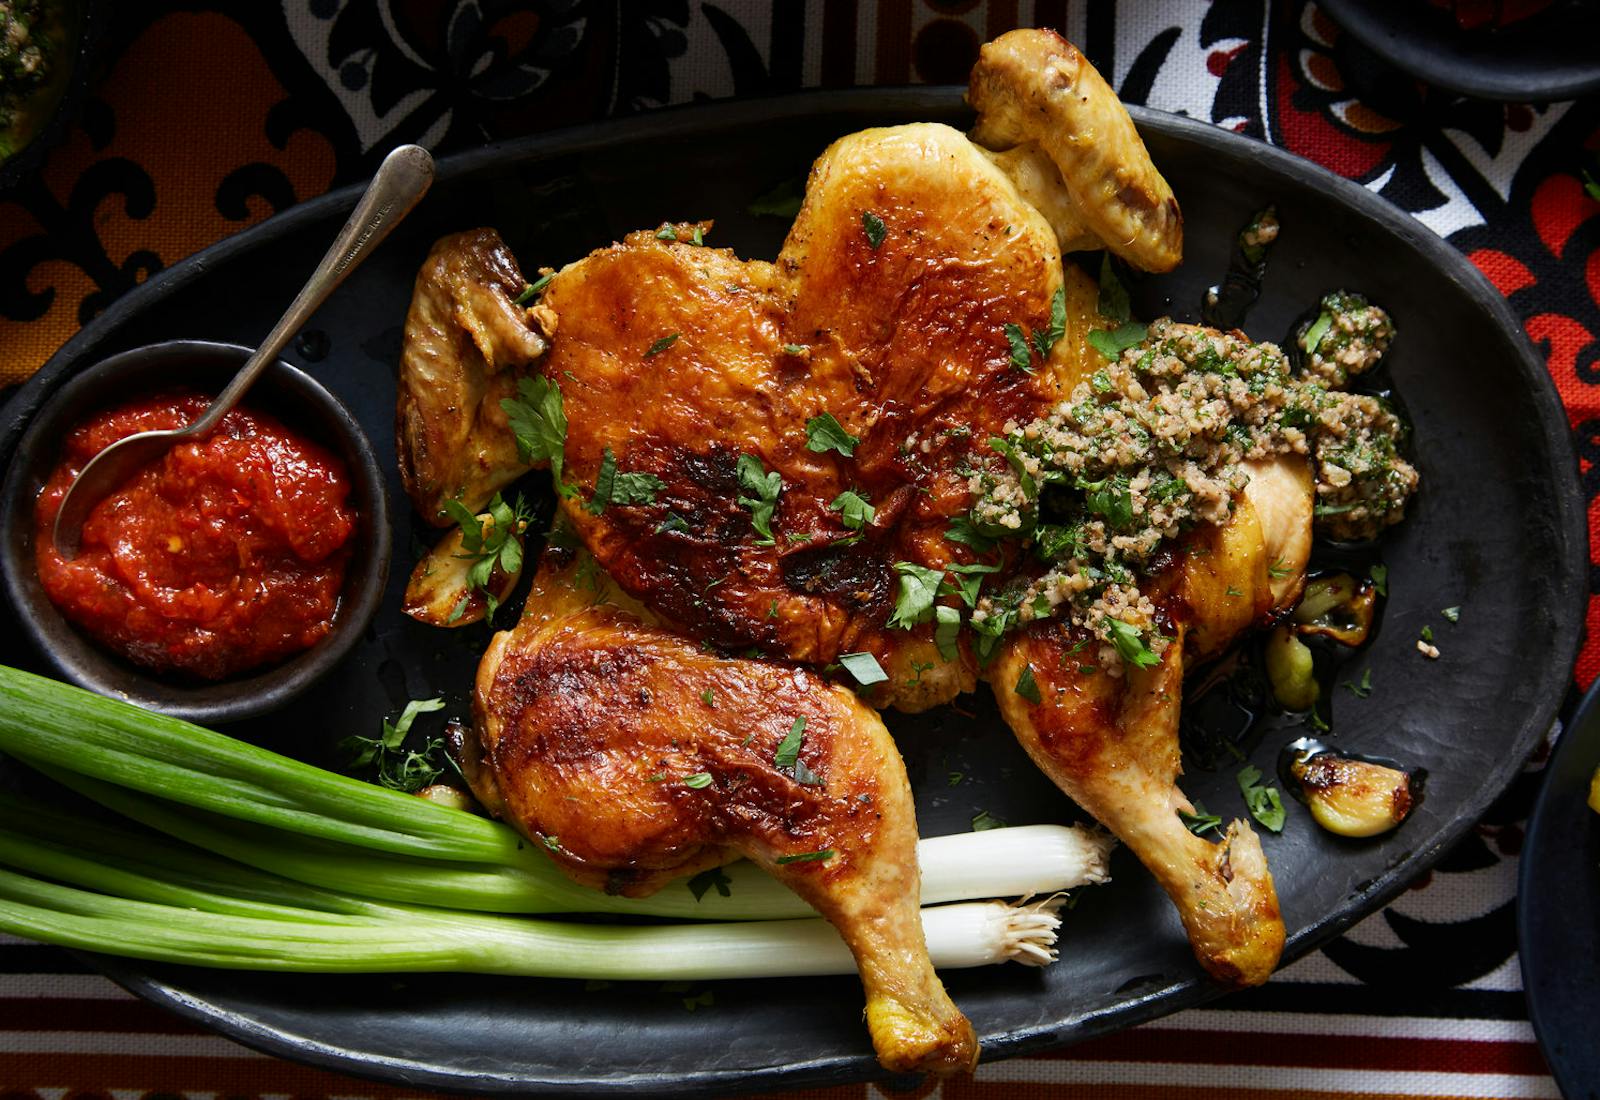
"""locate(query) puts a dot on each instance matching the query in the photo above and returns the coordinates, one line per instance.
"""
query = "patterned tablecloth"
(210, 116)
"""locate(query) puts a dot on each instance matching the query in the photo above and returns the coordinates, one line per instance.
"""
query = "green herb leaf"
(708, 697)
(953, 779)
(1590, 187)
(918, 589)
(946, 630)
(1014, 459)
(698, 781)
(1021, 354)
(1427, 633)
(1130, 644)
(824, 433)
(603, 484)
(1200, 822)
(983, 821)
(789, 748)
(794, 349)
(806, 857)
(698, 236)
(1025, 686)
(805, 776)
(673, 522)
(1380, 578)
(1319, 328)
(661, 345)
(783, 200)
(1265, 804)
(874, 228)
(713, 878)
(396, 767)
(764, 488)
(1110, 498)
(1114, 304)
(963, 531)
(1112, 344)
(666, 233)
(539, 424)
(854, 510)
(1044, 340)
(968, 582)
(1364, 688)
(1453, 614)
(864, 667)
(1278, 570)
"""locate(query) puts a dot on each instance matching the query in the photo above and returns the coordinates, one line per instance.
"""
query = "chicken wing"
(637, 757)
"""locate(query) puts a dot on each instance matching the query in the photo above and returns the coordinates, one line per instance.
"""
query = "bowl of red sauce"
(222, 579)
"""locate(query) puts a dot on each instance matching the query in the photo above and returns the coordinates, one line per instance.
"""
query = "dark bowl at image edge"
(283, 391)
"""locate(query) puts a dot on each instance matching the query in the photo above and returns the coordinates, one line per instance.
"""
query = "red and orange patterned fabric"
(210, 116)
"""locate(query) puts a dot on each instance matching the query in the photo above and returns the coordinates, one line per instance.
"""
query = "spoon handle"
(401, 180)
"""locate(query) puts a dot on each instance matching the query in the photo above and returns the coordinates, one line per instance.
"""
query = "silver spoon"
(402, 179)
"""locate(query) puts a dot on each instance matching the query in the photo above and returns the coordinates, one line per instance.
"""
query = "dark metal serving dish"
(1498, 529)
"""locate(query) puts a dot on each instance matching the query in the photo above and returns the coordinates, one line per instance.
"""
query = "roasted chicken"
(918, 259)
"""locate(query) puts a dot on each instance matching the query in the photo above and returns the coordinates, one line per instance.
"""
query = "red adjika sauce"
(226, 555)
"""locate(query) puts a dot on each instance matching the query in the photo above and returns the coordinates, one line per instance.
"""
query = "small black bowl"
(282, 391)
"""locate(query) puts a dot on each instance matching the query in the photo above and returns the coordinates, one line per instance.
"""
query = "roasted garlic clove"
(1339, 607)
(1354, 797)
(442, 794)
(1290, 670)
(441, 591)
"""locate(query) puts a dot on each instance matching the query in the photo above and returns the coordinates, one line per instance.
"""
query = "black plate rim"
(1543, 857)
(1392, 32)
(1570, 567)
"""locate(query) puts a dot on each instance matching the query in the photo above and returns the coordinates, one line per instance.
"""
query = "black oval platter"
(1497, 530)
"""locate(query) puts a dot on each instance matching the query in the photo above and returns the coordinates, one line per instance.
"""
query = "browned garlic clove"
(440, 592)
(1354, 798)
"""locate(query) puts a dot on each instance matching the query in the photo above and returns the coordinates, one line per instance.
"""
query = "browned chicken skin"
(638, 757)
(887, 308)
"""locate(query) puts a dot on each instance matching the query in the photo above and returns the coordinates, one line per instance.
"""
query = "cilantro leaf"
(946, 631)
(1129, 641)
(1380, 578)
(666, 233)
(396, 767)
(539, 424)
(1026, 687)
(824, 433)
(1110, 498)
(714, 878)
(965, 532)
(919, 586)
(764, 487)
(1265, 804)
(603, 484)
(661, 345)
(788, 750)
(983, 821)
(1014, 458)
(855, 512)
(969, 580)
(1453, 614)
(1111, 344)
(874, 228)
(698, 781)
(1021, 354)
(1045, 339)
(491, 545)
(1364, 688)
(1114, 303)
(1200, 822)
(673, 522)
(864, 667)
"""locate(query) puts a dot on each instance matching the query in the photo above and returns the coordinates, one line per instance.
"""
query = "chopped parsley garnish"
(963, 531)
(673, 522)
(698, 236)
(1380, 578)
(1026, 687)
(666, 233)
(396, 767)
(699, 780)
(983, 821)
(788, 750)
(713, 878)
(969, 580)
(953, 779)
(1199, 823)
(1130, 644)
(874, 228)
(1453, 614)
(864, 667)
(1112, 343)
(919, 587)
(1014, 459)
(855, 512)
(1021, 354)
(946, 630)
(1266, 806)
(1427, 633)
(540, 425)
(1232, 591)
(1110, 498)
(1044, 340)
(763, 487)
(824, 433)
(708, 697)
(807, 857)
(1362, 689)
(794, 349)
(488, 546)
(661, 345)
(805, 776)
(611, 487)
(1319, 328)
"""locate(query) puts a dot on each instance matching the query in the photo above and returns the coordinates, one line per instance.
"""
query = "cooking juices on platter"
(226, 555)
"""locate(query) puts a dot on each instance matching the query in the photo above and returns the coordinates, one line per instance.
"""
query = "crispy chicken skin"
(590, 719)
(466, 343)
(1041, 105)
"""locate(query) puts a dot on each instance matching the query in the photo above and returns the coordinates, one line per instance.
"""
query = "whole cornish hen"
(638, 757)
(912, 437)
